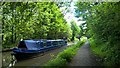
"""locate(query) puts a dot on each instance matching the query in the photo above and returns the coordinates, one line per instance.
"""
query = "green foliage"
(103, 26)
(107, 55)
(32, 20)
(98, 50)
(57, 62)
(66, 56)
(75, 30)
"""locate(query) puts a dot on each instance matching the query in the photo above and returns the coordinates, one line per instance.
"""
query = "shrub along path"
(84, 57)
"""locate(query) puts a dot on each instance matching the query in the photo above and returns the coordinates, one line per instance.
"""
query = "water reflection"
(6, 58)
(9, 60)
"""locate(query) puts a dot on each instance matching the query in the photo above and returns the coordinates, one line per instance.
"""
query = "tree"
(75, 30)
(32, 20)
(102, 21)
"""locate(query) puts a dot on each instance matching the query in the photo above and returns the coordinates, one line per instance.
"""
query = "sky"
(71, 15)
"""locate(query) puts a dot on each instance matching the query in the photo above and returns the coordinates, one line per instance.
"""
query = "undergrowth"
(108, 54)
(64, 57)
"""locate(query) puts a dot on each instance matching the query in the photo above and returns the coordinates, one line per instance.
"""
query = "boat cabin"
(31, 44)
(38, 44)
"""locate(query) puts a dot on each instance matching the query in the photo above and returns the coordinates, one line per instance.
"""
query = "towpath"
(84, 57)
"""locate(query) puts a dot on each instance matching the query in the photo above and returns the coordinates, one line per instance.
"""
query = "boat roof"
(55, 40)
(35, 44)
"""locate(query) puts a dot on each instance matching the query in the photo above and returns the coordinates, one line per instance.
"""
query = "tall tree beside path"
(32, 20)
(103, 20)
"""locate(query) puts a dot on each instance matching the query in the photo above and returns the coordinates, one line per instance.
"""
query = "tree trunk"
(12, 37)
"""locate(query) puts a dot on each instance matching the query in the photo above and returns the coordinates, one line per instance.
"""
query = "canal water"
(36, 61)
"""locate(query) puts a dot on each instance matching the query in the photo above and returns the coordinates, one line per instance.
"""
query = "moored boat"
(29, 48)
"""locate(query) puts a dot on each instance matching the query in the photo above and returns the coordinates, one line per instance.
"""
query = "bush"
(66, 56)
(108, 55)
(57, 62)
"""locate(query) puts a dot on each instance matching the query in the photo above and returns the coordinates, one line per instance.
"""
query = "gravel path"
(84, 57)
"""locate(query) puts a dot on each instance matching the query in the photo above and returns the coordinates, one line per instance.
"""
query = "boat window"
(55, 43)
(44, 43)
(61, 42)
(65, 42)
(22, 44)
(41, 44)
(48, 43)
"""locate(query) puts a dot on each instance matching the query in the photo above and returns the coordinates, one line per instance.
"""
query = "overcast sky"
(71, 15)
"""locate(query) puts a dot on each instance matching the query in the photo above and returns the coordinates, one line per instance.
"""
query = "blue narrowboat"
(30, 48)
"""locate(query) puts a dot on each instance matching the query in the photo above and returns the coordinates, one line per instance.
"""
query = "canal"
(36, 61)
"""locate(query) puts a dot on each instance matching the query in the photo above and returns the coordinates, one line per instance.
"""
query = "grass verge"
(108, 55)
(64, 57)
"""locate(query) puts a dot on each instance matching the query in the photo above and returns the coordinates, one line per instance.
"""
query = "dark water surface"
(36, 61)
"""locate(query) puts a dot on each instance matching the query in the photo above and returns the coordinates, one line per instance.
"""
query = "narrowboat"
(29, 48)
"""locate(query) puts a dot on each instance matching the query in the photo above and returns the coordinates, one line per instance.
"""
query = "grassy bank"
(7, 47)
(109, 55)
(66, 56)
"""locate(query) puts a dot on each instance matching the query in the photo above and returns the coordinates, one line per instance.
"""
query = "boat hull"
(23, 56)
(27, 54)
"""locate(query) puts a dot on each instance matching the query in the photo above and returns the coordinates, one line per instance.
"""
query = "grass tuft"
(64, 57)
